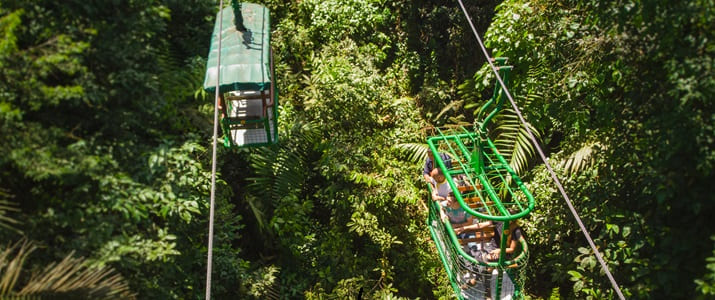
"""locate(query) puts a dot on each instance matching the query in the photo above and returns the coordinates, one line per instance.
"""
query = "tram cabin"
(247, 96)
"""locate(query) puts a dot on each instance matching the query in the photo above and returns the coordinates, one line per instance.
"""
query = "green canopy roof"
(245, 50)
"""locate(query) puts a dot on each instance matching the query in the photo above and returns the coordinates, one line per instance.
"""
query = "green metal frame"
(480, 163)
(272, 139)
(433, 216)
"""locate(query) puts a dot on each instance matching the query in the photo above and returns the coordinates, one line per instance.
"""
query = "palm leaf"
(70, 278)
(580, 159)
(453, 105)
(10, 266)
(179, 77)
(513, 142)
(6, 207)
(416, 152)
(5, 221)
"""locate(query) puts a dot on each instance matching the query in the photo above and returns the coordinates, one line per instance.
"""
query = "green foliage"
(334, 190)
(363, 222)
(106, 152)
(706, 285)
(100, 139)
(513, 141)
(333, 21)
(104, 144)
(261, 285)
(510, 136)
(416, 153)
(439, 53)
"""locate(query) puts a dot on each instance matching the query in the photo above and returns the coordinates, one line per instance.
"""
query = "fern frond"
(453, 105)
(280, 170)
(580, 159)
(415, 152)
(512, 140)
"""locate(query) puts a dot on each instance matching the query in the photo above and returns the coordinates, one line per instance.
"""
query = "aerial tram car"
(248, 101)
(487, 188)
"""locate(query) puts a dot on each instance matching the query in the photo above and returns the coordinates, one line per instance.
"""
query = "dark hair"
(436, 171)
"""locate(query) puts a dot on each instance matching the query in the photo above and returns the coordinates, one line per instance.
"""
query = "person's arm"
(442, 214)
(509, 249)
(458, 229)
(435, 193)
(427, 178)
(512, 247)
(462, 227)
(478, 226)
(426, 173)
(467, 223)
(515, 236)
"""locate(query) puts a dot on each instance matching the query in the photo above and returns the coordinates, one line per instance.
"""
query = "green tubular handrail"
(451, 275)
(500, 62)
(488, 187)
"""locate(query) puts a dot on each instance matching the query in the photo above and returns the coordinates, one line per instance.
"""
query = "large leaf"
(415, 152)
(580, 159)
(513, 142)
(5, 208)
(70, 278)
(280, 170)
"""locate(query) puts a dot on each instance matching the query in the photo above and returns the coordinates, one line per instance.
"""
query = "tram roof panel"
(245, 54)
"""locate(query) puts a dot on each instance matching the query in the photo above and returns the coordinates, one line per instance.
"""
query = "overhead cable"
(213, 156)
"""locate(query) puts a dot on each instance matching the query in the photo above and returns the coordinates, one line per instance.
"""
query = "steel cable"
(213, 157)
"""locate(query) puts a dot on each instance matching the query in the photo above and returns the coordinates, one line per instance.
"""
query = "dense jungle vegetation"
(105, 148)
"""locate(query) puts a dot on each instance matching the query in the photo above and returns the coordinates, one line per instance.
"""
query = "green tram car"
(248, 101)
(487, 188)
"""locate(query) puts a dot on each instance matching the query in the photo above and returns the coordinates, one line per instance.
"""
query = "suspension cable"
(213, 156)
(543, 157)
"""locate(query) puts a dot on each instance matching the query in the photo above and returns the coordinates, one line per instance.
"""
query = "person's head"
(437, 175)
(513, 224)
(451, 199)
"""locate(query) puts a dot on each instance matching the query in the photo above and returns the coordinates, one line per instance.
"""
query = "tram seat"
(475, 202)
(465, 188)
(484, 234)
(248, 105)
